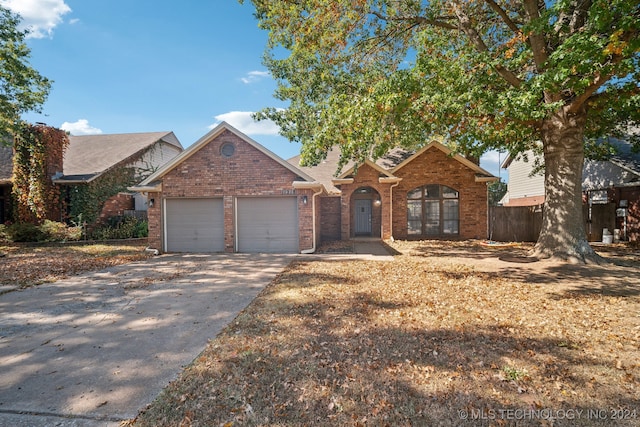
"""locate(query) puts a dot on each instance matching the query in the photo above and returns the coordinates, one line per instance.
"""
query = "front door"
(363, 216)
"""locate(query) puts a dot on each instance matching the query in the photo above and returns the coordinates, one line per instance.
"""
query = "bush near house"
(120, 227)
(48, 231)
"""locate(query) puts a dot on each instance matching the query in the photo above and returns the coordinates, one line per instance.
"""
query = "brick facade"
(435, 167)
(366, 177)
(329, 224)
(248, 172)
(204, 171)
(389, 217)
(116, 205)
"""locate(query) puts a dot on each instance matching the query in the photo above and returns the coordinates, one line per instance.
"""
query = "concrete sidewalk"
(95, 349)
(369, 249)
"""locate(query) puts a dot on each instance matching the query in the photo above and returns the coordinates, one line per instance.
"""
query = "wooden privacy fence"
(523, 223)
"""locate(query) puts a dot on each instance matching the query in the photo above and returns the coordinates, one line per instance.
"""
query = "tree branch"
(476, 40)
(580, 100)
(580, 15)
(537, 41)
(503, 14)
(416, 19)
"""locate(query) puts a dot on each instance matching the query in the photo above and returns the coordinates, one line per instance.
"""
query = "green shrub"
(4, 234)
(49, 231)
(54, 231)
(25, 232)
(121, 228)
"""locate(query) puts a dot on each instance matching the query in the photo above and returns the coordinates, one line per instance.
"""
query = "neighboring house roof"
(621, 169)
(89, 156)
(152, 182)
(397, 158)
(6, 164)
(626, 157)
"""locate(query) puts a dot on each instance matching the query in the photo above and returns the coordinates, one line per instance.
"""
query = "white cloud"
(81, 127)
(491, 161)
(40, 16)
(254, 76)
(243, 121)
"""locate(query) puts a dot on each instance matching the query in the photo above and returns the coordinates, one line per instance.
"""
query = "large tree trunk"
(563, 235)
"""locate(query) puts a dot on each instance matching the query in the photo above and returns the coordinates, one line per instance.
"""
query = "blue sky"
(123, 66)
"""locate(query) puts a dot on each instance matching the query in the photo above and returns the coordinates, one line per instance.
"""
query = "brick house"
(228, 193)
(91, 159)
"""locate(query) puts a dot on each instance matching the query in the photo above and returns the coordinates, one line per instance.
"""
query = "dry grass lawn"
(446, 334)
(23, 265)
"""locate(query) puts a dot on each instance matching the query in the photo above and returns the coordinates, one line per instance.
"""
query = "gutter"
(320, 188)
(145, 188)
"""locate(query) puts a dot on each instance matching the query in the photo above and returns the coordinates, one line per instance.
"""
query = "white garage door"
(194, 225)
(267, 224)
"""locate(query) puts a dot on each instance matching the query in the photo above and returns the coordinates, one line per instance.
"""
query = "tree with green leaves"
(497, 190)
(22, 88)
(553, 76)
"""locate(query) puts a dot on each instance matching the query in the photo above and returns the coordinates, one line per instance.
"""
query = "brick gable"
(435, 167)
(248, 172)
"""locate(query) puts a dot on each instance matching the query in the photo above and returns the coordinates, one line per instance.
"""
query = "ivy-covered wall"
(86, 201)
(37, 156)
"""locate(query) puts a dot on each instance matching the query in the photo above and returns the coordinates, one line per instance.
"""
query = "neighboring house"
(228, 193)
(524, 188)
(614, 182)
(92, 159)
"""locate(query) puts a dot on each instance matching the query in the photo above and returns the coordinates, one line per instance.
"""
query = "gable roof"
(396, 158)
(625, 157)
(6, 164)
(152, 181)
(89, 156)
(481, 174)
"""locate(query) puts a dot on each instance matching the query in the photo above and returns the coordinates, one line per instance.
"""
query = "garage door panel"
(268, 224)
(194, 225)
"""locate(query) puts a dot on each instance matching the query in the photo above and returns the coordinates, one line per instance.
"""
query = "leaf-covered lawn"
(424, 340)
(25, 266)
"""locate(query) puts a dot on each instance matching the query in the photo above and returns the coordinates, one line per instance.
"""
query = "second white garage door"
(194, 225)
(267, 224)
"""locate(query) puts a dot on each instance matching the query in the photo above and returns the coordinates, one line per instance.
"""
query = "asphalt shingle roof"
(626, 157)
(89, 155)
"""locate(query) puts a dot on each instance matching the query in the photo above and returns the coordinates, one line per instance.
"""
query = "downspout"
(391, 208)
(313, 225)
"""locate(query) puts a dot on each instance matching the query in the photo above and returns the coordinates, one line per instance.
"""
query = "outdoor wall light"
(152, 202)
(377, 202)
(304, 200)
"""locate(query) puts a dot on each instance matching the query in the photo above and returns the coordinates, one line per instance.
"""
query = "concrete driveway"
(95, 349)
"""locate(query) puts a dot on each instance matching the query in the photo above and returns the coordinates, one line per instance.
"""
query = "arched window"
(433, 210)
